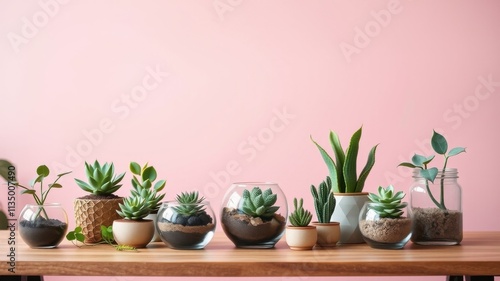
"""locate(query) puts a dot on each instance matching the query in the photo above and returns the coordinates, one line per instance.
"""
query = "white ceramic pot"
(133, 233)
(301, 238)
(328, 233)
(347, 209)
(156, 236)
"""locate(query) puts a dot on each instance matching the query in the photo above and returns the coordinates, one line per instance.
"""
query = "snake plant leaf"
(366, 170)
(350, 165)
(340, 159)
(439, 143)
(429, 174)
(135, 168)
(332, 168)
(455, 151)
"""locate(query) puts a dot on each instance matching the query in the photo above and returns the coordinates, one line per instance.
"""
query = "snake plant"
(343, 171)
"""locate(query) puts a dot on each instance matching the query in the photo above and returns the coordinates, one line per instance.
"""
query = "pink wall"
(191, 86)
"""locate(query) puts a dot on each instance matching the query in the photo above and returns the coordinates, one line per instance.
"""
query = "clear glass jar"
(384, 233)
(179, 229)
(436, 209)
(43, 226)
(247, 231)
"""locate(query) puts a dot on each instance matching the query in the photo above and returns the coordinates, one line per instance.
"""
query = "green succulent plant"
(440, 146)
(258, 203)
(343, 170)
(189, 204)
(386, 203)
(324, 200)
(142, 183)
(134, 208)
(101, 179)
(300, 217)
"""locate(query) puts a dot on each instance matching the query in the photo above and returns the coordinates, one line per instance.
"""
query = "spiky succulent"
(386, 203)
(259, 204)
(300, 216)
(142, 182)
(189, 204)
(324, 201)
(134, 208)
(101, 179)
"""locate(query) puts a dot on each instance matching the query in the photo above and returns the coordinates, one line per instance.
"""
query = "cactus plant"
(258, 203)
(134, 208)
(300, 217)
(142, 183)
(101, 179)
(343, 170)
(324, 200)
(386, 203)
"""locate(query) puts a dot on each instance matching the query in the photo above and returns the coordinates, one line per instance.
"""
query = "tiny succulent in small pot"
(324, 204)
(250, 218)
(300, 217)
(381, 220)
(133, 229)
(436, 197)
(42, 225)
(100, 206)
(186, 223)
(300, 235)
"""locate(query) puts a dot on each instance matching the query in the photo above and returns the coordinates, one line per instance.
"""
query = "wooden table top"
(479, 254)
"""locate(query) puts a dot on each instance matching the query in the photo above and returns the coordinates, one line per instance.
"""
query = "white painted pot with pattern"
(347, 209)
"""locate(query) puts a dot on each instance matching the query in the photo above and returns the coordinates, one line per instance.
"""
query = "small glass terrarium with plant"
(382, 221)
(252, 214)
(186, 223)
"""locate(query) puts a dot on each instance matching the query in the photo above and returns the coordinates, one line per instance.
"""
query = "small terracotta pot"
(328, 233)
(133, 233)
(301, 237)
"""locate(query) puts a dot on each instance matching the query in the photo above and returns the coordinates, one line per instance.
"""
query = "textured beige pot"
(90, 214)
(328, 233)
(133, 233)
(301, 238)
(347, 209)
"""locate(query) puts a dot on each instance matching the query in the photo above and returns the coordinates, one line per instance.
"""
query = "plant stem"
(442, 183)
(431, 196)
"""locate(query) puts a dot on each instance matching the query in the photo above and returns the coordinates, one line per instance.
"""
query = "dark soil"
(246, 231)
(42, 233)
(99, 197)
(186, 232)
(434, 224)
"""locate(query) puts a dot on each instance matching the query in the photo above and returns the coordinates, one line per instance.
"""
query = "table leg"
(479, 278)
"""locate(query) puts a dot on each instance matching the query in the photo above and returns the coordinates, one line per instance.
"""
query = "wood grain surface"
(479, 254)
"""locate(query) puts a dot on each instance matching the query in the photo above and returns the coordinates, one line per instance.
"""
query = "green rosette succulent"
(258, 203)
(189, 204)
(101, 179)
(134, 208)
(386, 203)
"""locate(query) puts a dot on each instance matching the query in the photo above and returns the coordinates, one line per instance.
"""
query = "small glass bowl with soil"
(186, 226)
(384, 233)
(246, 231)
(43, 226)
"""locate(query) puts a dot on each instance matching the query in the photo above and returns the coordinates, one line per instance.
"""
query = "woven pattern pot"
(90, 214)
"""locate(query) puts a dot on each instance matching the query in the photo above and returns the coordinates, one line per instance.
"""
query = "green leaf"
(418, 160)
(28, 191)
(135, 168)
(429, 174)
(429, 159)
(80, 237)
(42, 170)
(149, 174)
(160, 185)
(340, 158)
(332, 168)
(407, 164)
(55, 185)
(350, 164)
(63, 174)
(439, 143)
(71, 236)
(366, 170)
(455, 151)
